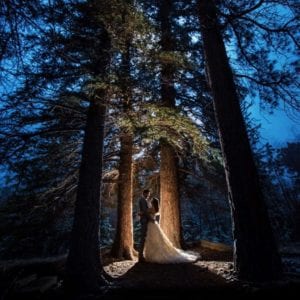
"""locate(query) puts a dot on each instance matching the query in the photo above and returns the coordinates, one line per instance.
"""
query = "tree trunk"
(169, 193)
(123, 243)
(255, 253)
(84, 266)
(170, 220)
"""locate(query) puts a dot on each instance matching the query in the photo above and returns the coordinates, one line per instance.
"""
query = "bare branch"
(246, 11)
(281, 29)
(260, 82)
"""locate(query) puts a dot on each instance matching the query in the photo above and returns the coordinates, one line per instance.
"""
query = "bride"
(157, 247)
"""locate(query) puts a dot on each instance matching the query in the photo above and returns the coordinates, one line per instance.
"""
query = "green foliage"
(157, 123)
(173, 58)
(123, 21)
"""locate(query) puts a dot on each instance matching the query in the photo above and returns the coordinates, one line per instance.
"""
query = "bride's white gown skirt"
(159, 249)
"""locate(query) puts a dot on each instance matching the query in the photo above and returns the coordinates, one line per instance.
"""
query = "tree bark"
(170, 220)
(169, 193)
(123, 243)
(255, 253)
(84, 266)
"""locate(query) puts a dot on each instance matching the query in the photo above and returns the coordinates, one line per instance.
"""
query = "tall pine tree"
(255, 253)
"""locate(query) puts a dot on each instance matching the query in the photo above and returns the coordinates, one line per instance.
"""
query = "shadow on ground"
(188, 281)
(179, 276)
(210, 276)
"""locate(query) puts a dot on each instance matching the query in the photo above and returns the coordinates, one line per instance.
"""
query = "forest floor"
(212, 275)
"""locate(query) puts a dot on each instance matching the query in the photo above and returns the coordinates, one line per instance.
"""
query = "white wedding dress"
(159, 249)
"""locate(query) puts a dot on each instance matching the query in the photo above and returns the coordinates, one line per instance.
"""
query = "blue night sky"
(277, 128)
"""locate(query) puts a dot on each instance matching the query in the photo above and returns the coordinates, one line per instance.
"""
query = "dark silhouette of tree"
(290, 158)
(260, 67)
(63, 71)
(15, 15)
(84, 268)
(255, 253)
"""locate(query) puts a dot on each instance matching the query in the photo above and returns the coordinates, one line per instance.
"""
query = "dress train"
(159, 249)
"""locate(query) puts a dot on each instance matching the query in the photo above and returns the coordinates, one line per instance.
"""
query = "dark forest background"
(51, 67)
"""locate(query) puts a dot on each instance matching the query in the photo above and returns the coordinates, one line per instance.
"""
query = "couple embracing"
(155, 247)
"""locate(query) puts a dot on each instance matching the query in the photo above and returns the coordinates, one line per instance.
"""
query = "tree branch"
(231, 17)
(281, 29)
(246, 11)
(259, 82)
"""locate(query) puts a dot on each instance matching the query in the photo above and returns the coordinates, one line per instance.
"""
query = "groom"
(144, 203)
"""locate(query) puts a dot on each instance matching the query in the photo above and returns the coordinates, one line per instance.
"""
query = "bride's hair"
(155, 203)
(146, 192)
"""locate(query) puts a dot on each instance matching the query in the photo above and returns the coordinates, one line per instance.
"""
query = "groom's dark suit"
(144, 218)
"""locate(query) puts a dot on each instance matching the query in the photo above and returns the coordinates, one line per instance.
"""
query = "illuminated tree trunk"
(169, 194)
(123, 242)
(255, 252)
